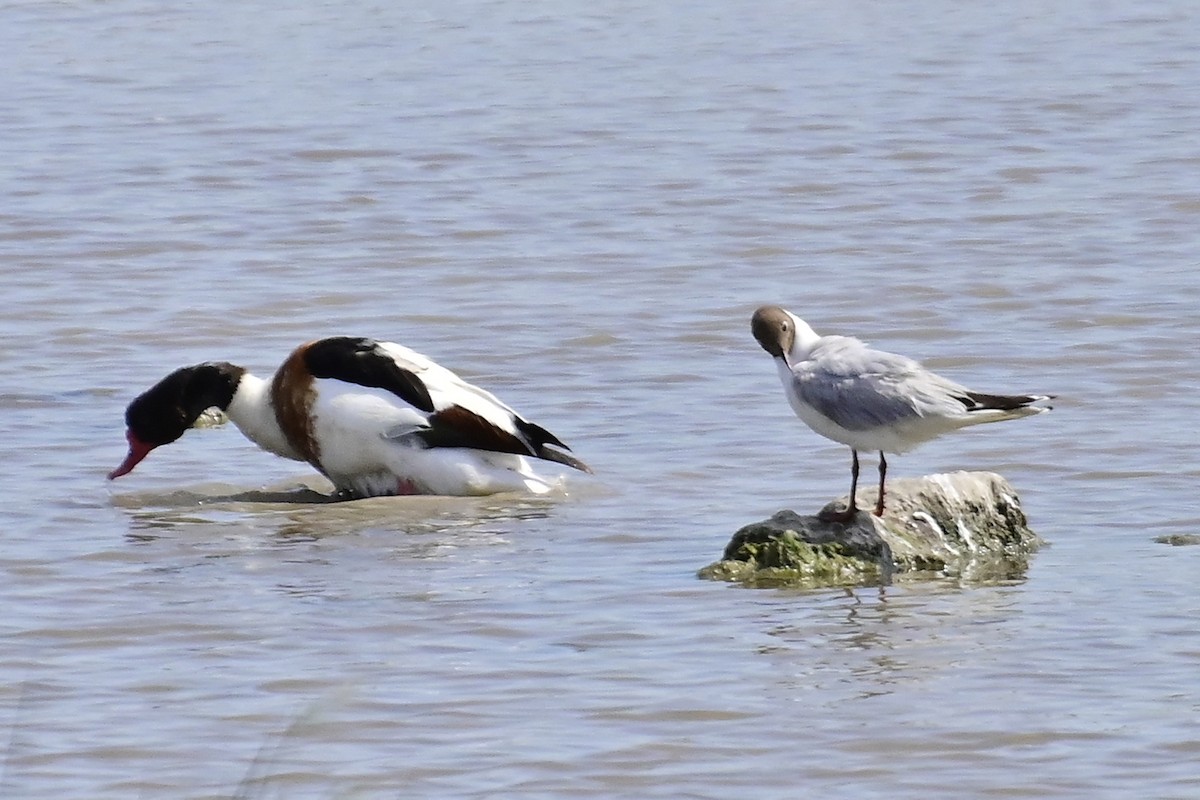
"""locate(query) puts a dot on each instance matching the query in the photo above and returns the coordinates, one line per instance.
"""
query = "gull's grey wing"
(859, 388)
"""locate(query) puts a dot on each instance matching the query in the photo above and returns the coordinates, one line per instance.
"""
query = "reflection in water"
(850, 636)
(855, 639)
(307, 545)
(302, 514)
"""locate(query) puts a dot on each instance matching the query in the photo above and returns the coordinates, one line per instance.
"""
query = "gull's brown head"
(774, 329)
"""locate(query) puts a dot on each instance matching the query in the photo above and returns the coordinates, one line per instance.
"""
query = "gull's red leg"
(848, 513)
(882, 475)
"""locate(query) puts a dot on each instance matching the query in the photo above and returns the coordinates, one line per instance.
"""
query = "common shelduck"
(376, 418)
(869, 399)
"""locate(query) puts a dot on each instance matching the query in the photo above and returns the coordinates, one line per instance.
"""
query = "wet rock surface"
(967, 524)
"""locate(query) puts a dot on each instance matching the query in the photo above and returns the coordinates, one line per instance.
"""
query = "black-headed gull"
(376, 418)
(869, 399)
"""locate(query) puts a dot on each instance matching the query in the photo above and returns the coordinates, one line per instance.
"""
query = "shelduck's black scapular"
(376, 418)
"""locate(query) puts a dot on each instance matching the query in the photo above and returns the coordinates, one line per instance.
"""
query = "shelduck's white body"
(375, 417)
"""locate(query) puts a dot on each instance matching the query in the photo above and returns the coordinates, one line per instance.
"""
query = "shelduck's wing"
(365, 363)
(468, 416)
(458, 414)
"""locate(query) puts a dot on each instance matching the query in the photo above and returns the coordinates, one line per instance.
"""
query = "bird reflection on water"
(299, 513)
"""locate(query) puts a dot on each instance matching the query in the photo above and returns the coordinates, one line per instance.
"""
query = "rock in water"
(967, 524)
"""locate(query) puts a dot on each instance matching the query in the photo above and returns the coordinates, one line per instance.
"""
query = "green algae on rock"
(1179, 539)
(967, 524)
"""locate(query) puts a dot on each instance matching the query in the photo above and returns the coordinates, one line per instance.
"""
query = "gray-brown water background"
(578, 205)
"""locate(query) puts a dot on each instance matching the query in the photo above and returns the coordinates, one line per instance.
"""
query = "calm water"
(578, 206)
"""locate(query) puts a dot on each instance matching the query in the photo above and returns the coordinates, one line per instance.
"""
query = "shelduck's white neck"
(251, 411)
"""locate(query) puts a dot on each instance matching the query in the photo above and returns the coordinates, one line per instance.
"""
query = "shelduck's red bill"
(137, 451)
